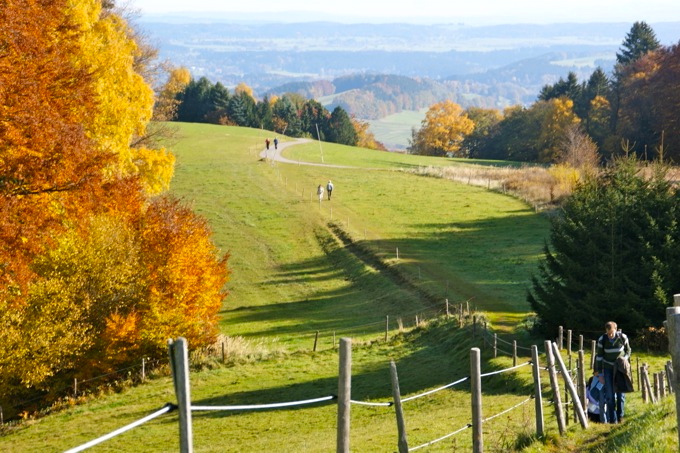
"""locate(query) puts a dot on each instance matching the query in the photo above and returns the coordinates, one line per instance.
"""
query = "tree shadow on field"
(488, 262)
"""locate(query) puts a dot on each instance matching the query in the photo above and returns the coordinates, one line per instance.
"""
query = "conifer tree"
(639, 40)
(613, 253)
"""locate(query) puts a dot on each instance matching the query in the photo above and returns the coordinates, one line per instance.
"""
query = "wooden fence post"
(560, 337)
(75, 387)
(179, 363)
(344, 395)
(641, 373)
(637, 369)
(669, 376)
(569, 344)
(495, 345)
(578, 407)
(592, 354)
(557, 398)
(514, 352)
(224, 355)
(143, 369)
(580, 343)
(662, 384)
(474, 326)
(316, 340)
(476, 400)
(538, 397)
(446, 301)
(401, 424)
(582, 379)
(673, 329)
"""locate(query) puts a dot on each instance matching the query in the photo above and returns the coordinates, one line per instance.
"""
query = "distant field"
(395, 130)
(335, 154)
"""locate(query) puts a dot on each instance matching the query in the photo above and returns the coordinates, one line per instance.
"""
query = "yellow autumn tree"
(244, 88)
(366, 138)
(558, 117)
(125, 101)
(443, 130)
(165, 108)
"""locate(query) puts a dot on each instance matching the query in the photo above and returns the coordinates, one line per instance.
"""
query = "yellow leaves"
(155, 169)
(566, 176)
(445, 126)
(124, 99)
(558, 116)
(243, 88)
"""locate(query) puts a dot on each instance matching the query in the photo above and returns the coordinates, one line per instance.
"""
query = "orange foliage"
(92, 272)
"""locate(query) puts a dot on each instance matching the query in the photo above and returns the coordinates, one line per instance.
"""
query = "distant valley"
(378, 70)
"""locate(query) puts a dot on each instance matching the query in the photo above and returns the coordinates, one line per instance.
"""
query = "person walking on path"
(276, 143)
(329, 189)
(611, 347)
(266, 142)
(319, 192)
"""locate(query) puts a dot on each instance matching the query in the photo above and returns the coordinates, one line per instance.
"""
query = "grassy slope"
(290, 276)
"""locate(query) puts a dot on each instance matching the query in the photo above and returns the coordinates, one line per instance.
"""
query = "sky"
(481, 12)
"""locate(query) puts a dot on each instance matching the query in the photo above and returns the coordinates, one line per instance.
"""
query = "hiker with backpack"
(612, 360)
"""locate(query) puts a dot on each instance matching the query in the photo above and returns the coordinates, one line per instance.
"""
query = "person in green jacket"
(610, 346)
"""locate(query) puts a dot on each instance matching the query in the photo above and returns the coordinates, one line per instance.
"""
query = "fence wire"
(167, 408)
(263, 406)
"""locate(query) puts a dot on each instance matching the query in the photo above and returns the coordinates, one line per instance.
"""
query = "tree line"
(638, 105)
(201, 101)
(98, 265)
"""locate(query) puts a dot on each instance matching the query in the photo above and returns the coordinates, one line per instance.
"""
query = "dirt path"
(275, 154)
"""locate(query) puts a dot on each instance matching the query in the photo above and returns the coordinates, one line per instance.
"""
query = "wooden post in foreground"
(578, 407)
(344, 394)
(538, 396)
(476, 397)
(179, 364)
(401, 424)
(557, 398)
(582, 379)
(673, 329)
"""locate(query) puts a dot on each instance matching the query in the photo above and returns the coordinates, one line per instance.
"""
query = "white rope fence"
(441, 438)
(435, 390)
(507, 410)
(263, 406)
(506, 369)
(167, 408)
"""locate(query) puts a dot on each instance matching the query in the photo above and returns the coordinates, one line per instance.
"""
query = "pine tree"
(613, 253)
(639, 40)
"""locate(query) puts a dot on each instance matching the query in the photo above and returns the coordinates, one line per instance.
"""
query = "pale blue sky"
(468, 11)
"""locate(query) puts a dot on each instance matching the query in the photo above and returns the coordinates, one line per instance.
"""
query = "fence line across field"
(179, 362)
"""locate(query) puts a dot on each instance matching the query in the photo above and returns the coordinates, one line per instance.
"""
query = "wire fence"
(485, 337)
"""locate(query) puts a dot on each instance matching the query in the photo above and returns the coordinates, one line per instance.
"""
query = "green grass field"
(293, 276)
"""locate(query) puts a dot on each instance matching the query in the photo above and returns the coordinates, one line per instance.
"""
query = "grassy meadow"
(299, 267)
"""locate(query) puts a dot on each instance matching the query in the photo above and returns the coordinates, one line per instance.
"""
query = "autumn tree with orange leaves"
(94, 273)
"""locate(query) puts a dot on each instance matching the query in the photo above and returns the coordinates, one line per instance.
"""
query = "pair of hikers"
(329, 190)
(276, 143)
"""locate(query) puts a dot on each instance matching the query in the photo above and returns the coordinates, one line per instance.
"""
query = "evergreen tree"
(195, 102)
(340, 128)
(639, 40)
(613, 253)
(569, 88)
(265, 116)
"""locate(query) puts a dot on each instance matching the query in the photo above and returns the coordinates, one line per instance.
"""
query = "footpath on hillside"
(275, 154)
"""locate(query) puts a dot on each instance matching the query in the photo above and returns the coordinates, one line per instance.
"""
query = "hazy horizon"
(482, 12)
